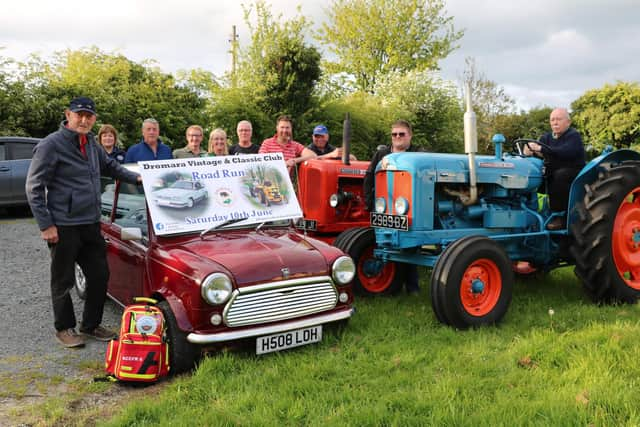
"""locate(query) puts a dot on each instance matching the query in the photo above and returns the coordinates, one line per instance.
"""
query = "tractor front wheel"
(472, 283)
(373, 276)
(607, 235)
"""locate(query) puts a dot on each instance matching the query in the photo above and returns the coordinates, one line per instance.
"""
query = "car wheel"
(182, 354)
(81, 283)
(190, 203)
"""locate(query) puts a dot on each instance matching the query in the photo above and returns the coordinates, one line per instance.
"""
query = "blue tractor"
(471, 217)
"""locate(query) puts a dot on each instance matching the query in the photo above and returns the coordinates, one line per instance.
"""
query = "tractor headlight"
(216, 288)
(334, 200)
(380, 205)
(343, 270)
(385, 164)
(402, 206)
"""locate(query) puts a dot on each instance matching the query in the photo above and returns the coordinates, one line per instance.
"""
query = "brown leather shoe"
(100, 334)
(69, 338)
(556, 223)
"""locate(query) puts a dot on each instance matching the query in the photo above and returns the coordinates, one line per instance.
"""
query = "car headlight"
(401, 205)
(343, 270)
(380, 205)
(334, 200)
(216, 288)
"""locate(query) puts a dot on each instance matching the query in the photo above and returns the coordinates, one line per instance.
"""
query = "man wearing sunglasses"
(401, 134)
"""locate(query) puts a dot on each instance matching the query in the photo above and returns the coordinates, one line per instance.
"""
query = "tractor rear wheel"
(373, 276)
(606, 235)
(472, 283)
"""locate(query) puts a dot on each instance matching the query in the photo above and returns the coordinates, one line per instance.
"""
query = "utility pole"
(234, 55)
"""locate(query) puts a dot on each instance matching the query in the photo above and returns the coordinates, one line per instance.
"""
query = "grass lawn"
(556, 360)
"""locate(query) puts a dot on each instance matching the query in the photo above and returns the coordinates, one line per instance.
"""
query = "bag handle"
(145, 299)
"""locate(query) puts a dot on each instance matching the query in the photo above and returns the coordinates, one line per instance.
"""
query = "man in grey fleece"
(63, 189)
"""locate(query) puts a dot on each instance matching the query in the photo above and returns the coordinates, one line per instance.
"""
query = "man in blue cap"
(321, 146)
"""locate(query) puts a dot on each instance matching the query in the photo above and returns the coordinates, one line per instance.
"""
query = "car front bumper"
(171, 203)
(227, 336)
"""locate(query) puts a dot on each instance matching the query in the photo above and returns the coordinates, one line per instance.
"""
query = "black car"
(15, 158)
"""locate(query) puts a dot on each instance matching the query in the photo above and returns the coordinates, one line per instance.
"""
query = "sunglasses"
(398, 134)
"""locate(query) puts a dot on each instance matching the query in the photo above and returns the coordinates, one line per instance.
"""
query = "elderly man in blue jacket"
(63, 189)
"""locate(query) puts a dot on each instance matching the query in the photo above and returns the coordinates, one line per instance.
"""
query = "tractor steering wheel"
(520, 143)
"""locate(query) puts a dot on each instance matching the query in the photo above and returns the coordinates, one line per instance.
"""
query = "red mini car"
(267, 283)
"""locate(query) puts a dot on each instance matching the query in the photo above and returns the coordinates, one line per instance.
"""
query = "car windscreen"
(184, 185)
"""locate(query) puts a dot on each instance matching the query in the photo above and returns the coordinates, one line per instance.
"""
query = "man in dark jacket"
(63, 189)
(401, 134)
(563, 152)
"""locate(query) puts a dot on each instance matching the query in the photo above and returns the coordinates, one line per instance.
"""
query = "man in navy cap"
(321, 146)
(63, 189)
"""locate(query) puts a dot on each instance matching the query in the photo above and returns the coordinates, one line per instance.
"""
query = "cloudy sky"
(543, 52)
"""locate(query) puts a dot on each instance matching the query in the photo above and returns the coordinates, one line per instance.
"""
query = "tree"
(609, 116)
(373, 38)
(489, 102)
(430, 104)
(125, 93)
(278, 70)
(526, 124)
(370, 122)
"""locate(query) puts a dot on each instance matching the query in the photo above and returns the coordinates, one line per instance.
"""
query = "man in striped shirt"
(282, 142)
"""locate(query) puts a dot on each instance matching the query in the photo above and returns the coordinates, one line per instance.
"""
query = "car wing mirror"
(131, 233)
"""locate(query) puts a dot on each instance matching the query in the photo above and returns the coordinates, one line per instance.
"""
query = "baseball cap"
(82, 103)
(320, 130)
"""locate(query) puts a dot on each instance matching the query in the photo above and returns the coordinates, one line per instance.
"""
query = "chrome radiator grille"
(277, 301)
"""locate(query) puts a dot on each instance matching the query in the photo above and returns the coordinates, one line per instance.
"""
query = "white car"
(181, 194)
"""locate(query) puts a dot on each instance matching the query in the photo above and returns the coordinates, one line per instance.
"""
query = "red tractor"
(330, 192)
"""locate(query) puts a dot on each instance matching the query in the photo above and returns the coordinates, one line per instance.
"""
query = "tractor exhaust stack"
(346, 139)
(471, 147)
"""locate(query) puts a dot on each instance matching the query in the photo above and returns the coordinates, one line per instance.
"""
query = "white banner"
(196, 194)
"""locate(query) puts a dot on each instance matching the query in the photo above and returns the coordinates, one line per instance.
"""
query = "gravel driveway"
(29, 352)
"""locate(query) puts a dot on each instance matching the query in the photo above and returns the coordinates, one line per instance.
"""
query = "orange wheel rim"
(480, 287)
(625, 239)
(374, 275)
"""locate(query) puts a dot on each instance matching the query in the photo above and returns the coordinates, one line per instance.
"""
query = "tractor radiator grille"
(278, 301)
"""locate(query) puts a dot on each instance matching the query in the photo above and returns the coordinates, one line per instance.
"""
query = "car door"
(126, 258)
(20, 154)
(15, 158)
(5, 175)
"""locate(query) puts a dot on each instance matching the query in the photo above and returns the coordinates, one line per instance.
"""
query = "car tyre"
(81, 282)
(182, 354)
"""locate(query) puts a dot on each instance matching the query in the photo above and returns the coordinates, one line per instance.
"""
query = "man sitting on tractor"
(563, 152)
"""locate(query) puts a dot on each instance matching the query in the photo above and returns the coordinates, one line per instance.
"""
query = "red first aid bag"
(140, 353)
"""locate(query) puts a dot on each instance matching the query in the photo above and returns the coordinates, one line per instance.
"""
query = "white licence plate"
(289, 339)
